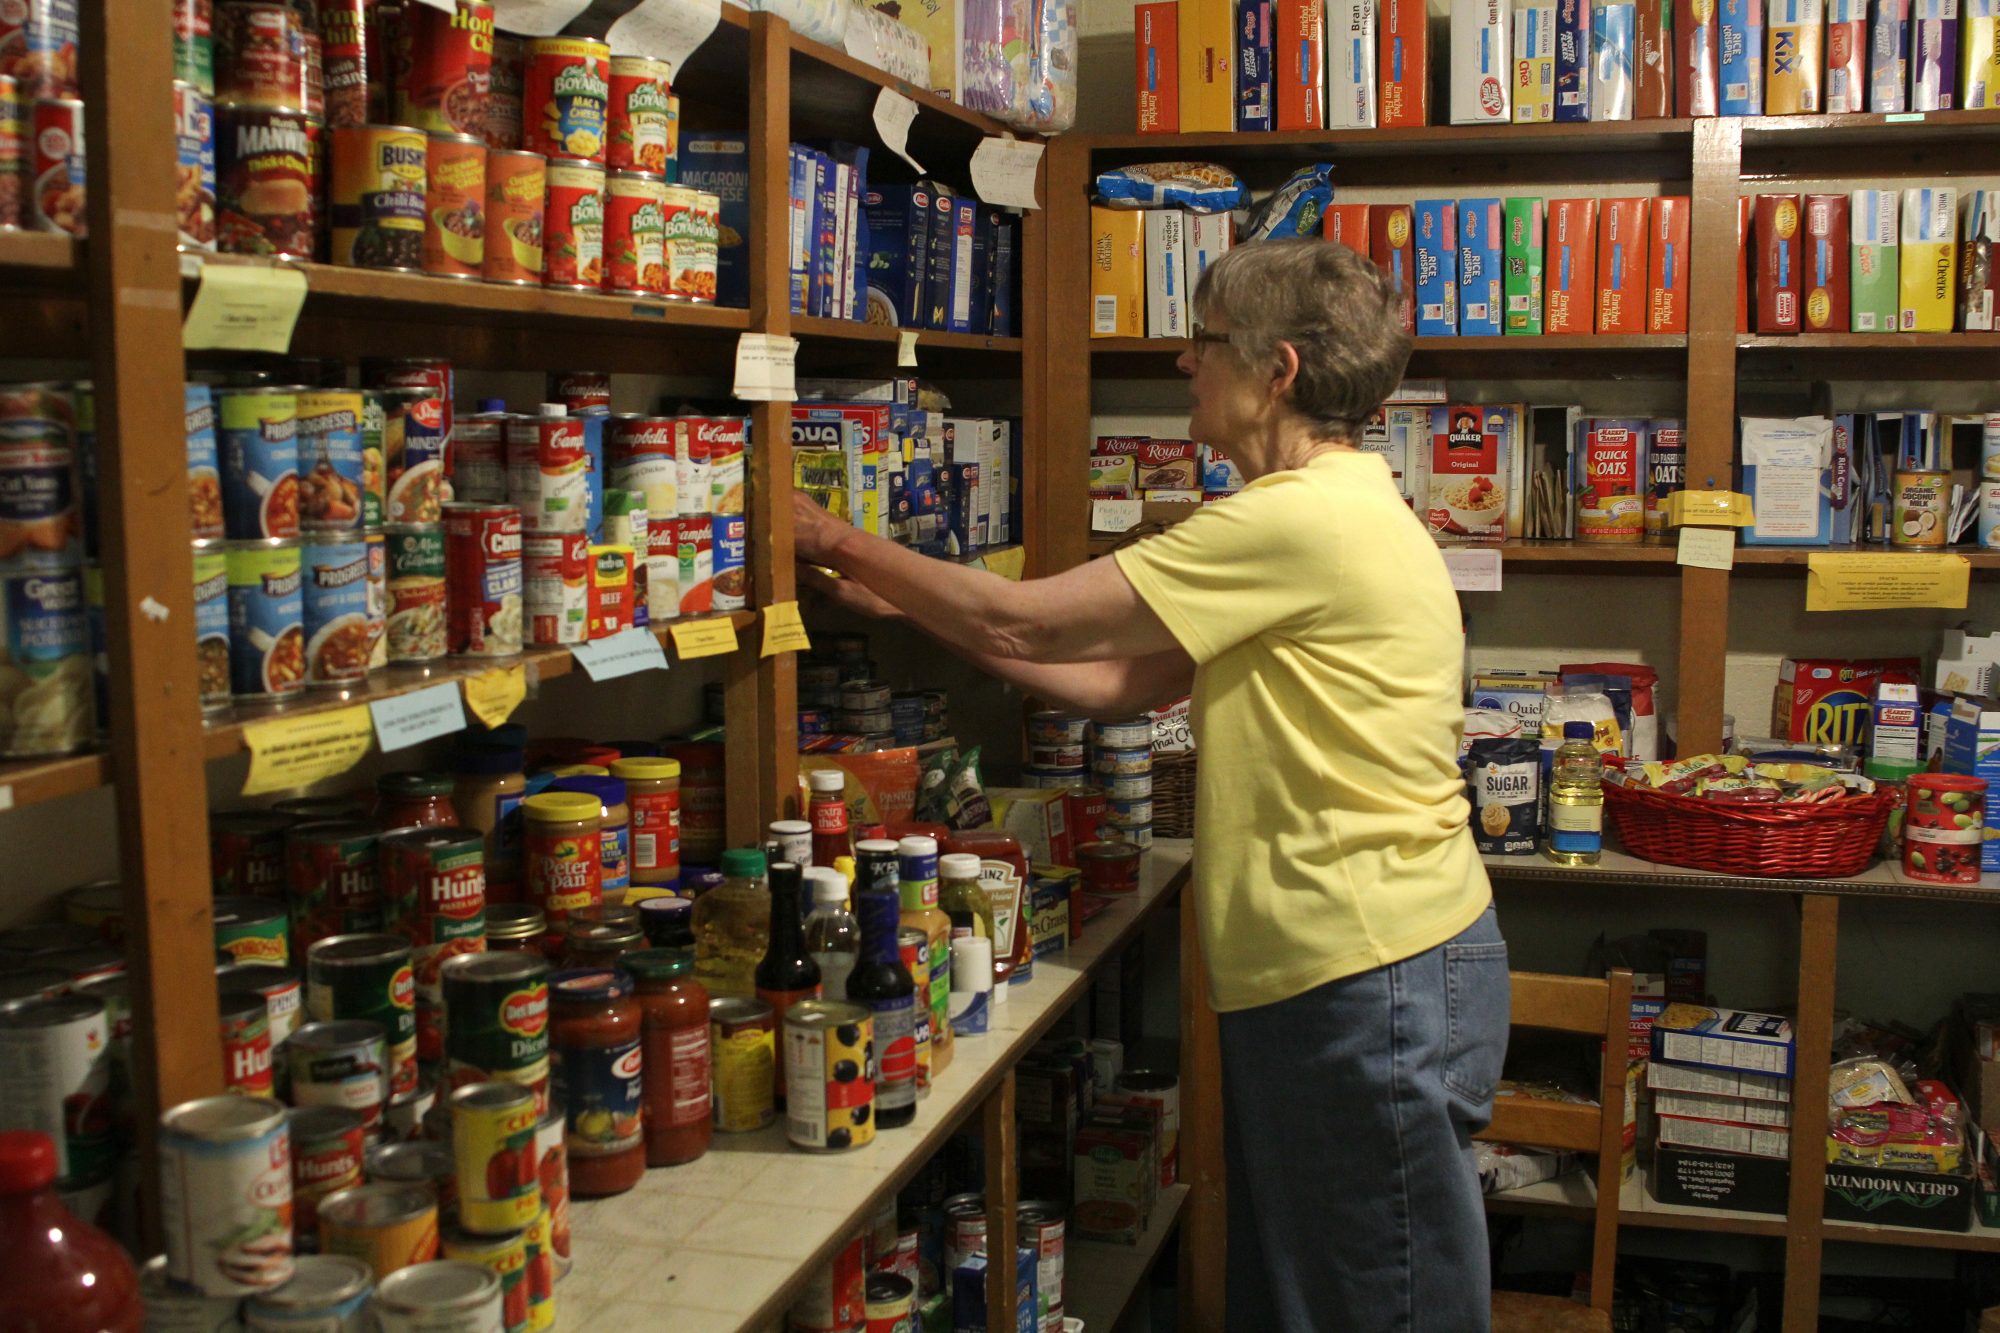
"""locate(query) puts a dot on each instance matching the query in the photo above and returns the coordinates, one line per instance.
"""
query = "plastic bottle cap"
(883, 846)
(645, 768)
(782, 828)
(743, 863)
(959, 865)
(562, 806)
(829, 886)
(27, 1161)
(827, 780)
(608, 791)
(1578, 731)
(917, 845)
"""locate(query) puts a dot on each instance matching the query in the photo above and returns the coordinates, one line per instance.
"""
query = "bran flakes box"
(1796, 65)
(1392, 244)
(1824, 309)
(1350, 60)
(1521, 280)
(1534, 62)
(1611, 481)
(1155, 31)
(1437, 267)
(1404, 64)
(1346, 224)
(1480, 302)
(1469, 464)
(1571, 272)
(1777, 254)
(1872, 247)
(1667, 267)
(1621, 265)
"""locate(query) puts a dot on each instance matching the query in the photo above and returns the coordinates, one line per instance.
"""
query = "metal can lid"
(888, 1288)
(484, 968)
(359, 950)
(322, 1122)
(377, 1205)
(589, 985)
(333, 1034)
(230, 1116)
(318, 1281)
(411, 784)
(511, 921)
(410, 1163)
(738, 1009)
(816, 1014)
(491, 1096)
(439, 1285)
(49, 1012)
(437, 838)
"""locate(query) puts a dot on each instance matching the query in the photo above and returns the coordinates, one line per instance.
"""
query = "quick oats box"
(1469, 461)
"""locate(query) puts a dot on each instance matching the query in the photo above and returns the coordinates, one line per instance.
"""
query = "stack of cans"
(1121, 762)
(865, 711)
(48, 564)
(1056, 750)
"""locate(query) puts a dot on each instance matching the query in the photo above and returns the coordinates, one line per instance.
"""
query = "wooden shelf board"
(854, 330)
(1427, 140)
(1619, 870)
(846, 67)
(1868, 128)
(31, 781)
(1925, 343)
(1551, 357)
(47, 250)
(1798, 557)
(1100, 1280)
(1558, 342)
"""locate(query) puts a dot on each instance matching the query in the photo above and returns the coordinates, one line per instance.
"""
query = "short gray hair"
(1334, 306)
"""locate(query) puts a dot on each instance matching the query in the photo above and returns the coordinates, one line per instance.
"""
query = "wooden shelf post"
(1058, 457)
(1812, 1037)
(1003, 1195)
(1204, 1221)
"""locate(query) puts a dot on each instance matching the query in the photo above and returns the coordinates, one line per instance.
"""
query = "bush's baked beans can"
(639, 134)
(246, 852)
(387, 1227)
(829, 1075)
(516, 190)
(260, 52)
(327, 1147)
(226, 1194)
(266, 181)
(744, 1046)
(375, 197)
(446, 59)
(331, 460)
(194, 44)
(346, 57)
(555, 586)
(368, 977)
(483, 588)
(503, 91)
(417, 609)
(479, 459)
(506, 1257)
(55, 129)
(493, 1144)
(497, 1027)
(194, 153)
(333, 884)
(552, 1154)
(343, 1063)
(573, 226)
(257, 440)
(455, 201)
(266, 618)
(563, 97)
(57, 1054)
(634, 234)
(548, 473)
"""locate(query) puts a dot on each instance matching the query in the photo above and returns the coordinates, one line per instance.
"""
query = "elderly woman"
(1353, 955)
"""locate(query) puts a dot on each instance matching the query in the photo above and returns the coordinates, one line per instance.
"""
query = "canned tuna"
(344, 1064)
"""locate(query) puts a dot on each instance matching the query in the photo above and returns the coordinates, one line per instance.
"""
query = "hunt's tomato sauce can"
(445, 65)
(327, 1146)
(493, 1147)
(260, 53)
(1943, 826)
(516, 183)
(266, 178)
(455, 200)
(573, 226)
(246, 1044)
(564, 96)
(639, 130)
(483, 589)
(635, 234)
(434, 896)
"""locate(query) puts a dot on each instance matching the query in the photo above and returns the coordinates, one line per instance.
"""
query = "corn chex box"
(1717, 1083)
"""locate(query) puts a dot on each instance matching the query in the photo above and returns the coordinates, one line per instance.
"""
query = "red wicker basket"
(1790, 840)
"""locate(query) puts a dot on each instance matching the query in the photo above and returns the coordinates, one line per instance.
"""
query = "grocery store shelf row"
(1618, 870)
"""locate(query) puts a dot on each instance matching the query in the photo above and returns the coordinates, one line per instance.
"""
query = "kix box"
(1796, 69)
(1830, 702)
(1972, 746)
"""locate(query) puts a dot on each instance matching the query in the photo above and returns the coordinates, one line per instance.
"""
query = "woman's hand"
(847, 594)
(815, 532)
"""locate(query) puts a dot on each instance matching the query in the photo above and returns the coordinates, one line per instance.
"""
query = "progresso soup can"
(204, 464)
(258, 441)
(338, 634)
(226, 1194)
(415, 434)
(330, 460)
(266, 619)
(194, 151)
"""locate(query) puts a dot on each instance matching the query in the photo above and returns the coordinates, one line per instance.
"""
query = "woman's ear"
(1287, 371)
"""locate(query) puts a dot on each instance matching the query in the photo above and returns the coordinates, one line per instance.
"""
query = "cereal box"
(1207, 83)
(1156, 36)
(1404, 64)
(1933, 55)
(1437, 267)
(1830, 702)
(1166, 273)
(1787, 466)
(1521, 280)
(1666, 469)
(1400, 434)
(1979, 35)
(1621, 265)
(1299, 64)
(1889, 56)
(1614, 47)
(1470, 458)
(1979, 260)
(1209, 237)
(1479, 268)
(1846, 57)
(1350, 58)
(1481, 62)
(1873, 238)
(1743, 203)
(1534, 61)
(1765, 1089)
(1346, 224)
(1253, 65)
(1653, 63)
(1696, 57)
(1777, 235)
(1740, 46)
(1928, 260)
(1610, 480)
(1795, 61)
(1572, 60)
(1571, 290)
(1824, 309)
(1117, 273)
(1667, 267)
(1727, 1039)
(1392, 244)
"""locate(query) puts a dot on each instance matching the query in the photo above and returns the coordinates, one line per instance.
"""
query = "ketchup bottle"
(63, 1275)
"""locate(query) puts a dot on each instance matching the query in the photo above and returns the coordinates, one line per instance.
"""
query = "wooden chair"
(1600, 1008)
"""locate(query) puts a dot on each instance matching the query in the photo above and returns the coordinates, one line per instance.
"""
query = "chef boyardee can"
(226, 1194)
(506, 1257)
(369, 977)
(211, 623)
(253, 930)
(493, 1143)
(434, 895)
(343, 1063)
(257, 436)
(829, 1075)
(333, 582)
(266, 618)
(327, 1291)
(327, 1147)
(497, 1021)
(57, 1055)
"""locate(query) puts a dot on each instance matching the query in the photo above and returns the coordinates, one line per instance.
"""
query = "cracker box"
(1667, 267)
(1733, 1110)
(1740, 48)
(1743, 203)
(1351, 40)
(1404, 65)
(1610, 480)
(1400, 434)
(1846, 57)
(1169, 465)
(1521, 279)
(1872, 241)
(1979, 260)
(1038, 817)
(1156, 35)
(1777, 236)
(1207, 85)
(1209, 237)
(1346, 224)
(1117, 273)
(1831, 702)
(1614, 45)
(1653, 60)
(1166, 273)
(1972, 746)
(1728, 1039)
(1787, 472)
(1927, 264)
(1933, 55)
(1482, 55)
(1722, 1136)
(1824, 309)
(1392, 244)
(1572, 60)
(1696, 57)
(1253, 66)
(1534, 61)
(1299, 64)
(1470, 458)
(1437, 267)
(1889, 56)
(1796, 60)
(1621, 265)
(1734, 1084)
(1979, 36)
(1479, 268)
(1571, 289)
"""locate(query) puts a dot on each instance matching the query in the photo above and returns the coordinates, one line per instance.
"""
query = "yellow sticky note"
(245, 308)
(1707, 548)
(906, 349)
(288, 752)
(494, 695)
(1716, 509)
(704, 638)
(784, 632)
(1008, 563)
(1856, 581)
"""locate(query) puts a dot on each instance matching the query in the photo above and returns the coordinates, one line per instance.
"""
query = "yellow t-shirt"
(1330, 814)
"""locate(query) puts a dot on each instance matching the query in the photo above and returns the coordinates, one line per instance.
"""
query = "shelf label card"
(1707, 548)
(906, 349)
(669, 30)
(245, 308)
(6, 796)
(442, 6)
(287, 752)
(784, 632)
(1714, 509)
(894, 114)
(1003, 171)
(704, 638)
(421, 715)
(1115, 515)
(620, 654)
(534, 18)
(1008, 563)
(1473, 568)
(764, 367)
(494, 695)
(1855, 581)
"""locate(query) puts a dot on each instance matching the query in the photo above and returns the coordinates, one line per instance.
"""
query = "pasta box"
(1776, 229)
(1571, 266)
(1166, 273)
(1824, 309)
(1700, 1178)
(1696, 55)
(1479, 268)
(720, 165)
(1404, 64)
(1621, 265)
(1392, 244)
(1156, 37)
(1730, 1110)
(1117, 274)
(1730, 1084)
(1667, 267)
(1048, 925)
(1437, 267)
(1534, 62)
(1734, 1039)
(1521, 281)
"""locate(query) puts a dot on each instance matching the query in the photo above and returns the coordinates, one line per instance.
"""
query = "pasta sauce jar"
(675, 1043)
(597, 1072)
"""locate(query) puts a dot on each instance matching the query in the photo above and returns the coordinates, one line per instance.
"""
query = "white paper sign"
(442, 6)
(534, 18)
(764, 364)
(668, 30)
(1707, 548)
(906, 349)
(1473, 569)
(621, 654)
(894, 114)
(426, 714)
(1003, 171)
(1114, 515)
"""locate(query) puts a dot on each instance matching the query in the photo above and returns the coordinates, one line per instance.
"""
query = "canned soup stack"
(51, 586)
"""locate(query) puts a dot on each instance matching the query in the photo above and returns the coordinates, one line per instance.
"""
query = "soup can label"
(334, 884)
(634, 235)
(641, 453)
(260, 53)
(55, 130)
(375, 203)
(378, 599)
(226, 1201)
(266, 619)
(56, 1052)
(454, 225)
(204, 464)
(331, 461)
(266, 182)
(40, 526)
(211, 626)
(483, 580)
(564, 96)
(729, 564)
(348, 47)
(339, 637)
(352, 1074)
(447, 57)
(498, 1029)
(38, 46)
(506, 1257)
(246, 1046)
(194, 151)
(693, 228)
(555, 585)
(573, 226)
(416, 629)
(258, 441)
(327, 1148)
(516, 184)
(548, 473)
(194, 43)
(493, 1144)
(639, 129)
(416, 431)
(479, 459)
(503, 91)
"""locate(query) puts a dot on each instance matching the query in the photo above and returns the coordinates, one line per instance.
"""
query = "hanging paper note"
(245, 308)
(620, 654)
(1707, 548)
(764, 367)
(421, 715)
(784, 632)
(1003, 171)
(1473, 568)
(494, 695)
(1715, 509)
(669, 30)
(906, 349)
(536, 18)
(288, 752)
(894, 114)
(1865, 581)
(704, 638)
(1115, 515)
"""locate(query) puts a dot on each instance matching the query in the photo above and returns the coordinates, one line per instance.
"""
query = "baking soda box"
(1796, 59)
(1621, 265)
(1776, 232)
(1392, 244)
(1873, 237)
(1437, 267)
(1889, 56)
(1928, 262)
(1482, 55)
(1480, 302)
(1933, 55)
(1117, 273)
(1253, 65)
(1697, 53)
(1521, 281)
(1572, 60)
(1571, 287)
(1155, 34)
(1470, 457)
(1346, 224)
(1614, 45)
(1846, 57)
(1534, 62)
(1667, 267)
(1825, 308)
(1979, 35)
(1404, 64)
(1298, 79)
(1741, 51)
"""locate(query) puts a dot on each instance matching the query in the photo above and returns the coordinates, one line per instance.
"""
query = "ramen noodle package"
(1504, 778)
(1200, 187)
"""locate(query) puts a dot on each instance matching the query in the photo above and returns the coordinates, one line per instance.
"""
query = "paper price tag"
(1715, 509)
(784, 632)
(421, 715)
(1707, 548)
(906, 349)
(1840, 581)
(1003, 171)
(532, 18)
(669, 30)
(1473, 569)
(1008, 564)
(1115, 515)
(621, 654)
(494, 695)
(704, 638)
(290, 752)
(894, 114)
(245, 308)
(764, 367)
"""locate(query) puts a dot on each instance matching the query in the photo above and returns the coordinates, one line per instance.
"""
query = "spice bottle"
(676, 1052)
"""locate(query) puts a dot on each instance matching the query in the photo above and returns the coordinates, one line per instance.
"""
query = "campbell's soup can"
(573, 226)
(548, 473)
(266, 181)
(226, 1194)
(555, 586)
(430, 373)
(375, 198)
(55, 129)
(516, 189)
(579, 391)
(261, 51)
(194, 152)
(446, 62)
(564, 96)
(640, 452)
(503, 91)
(483, 585)
(328, 1143)
(454, 226)
(479, 459)
(634, 234)
(639, 134)
(351, 81)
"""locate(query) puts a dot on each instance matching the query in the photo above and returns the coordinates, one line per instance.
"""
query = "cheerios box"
(1711, 1038)
(1972, 746)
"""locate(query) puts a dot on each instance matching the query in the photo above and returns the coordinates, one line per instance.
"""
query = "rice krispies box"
(1830, 702)
(1469, 465)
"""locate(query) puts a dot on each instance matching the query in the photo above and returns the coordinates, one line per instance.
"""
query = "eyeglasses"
(1200, 338)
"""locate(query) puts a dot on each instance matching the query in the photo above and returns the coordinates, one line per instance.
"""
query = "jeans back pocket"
(1476, 1015)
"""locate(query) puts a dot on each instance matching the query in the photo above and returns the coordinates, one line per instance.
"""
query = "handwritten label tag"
(494, 695)
(906, 349)
(1715, 509)
(784, 632)
(621, 654)
(421, 715)
(1839, 581)
(1003, 171)
(245, 308)
(1115, 515)
(764, 367)
(1008, 564)
(288, 752)
(1473, 569)
(669, 30)
(1707, 548)
(704, 638)
(533, 18)
(894, 114)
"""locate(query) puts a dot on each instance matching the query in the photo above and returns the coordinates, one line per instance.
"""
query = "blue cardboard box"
(719, 164)
(1253, 65)
(1437, 267)
(1572, 60)
(1972, 746)
(898, 222)
(968, 1293)
(1740, 70)
(1480, 304)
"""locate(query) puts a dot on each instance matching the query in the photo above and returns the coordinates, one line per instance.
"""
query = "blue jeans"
(1348, 1113)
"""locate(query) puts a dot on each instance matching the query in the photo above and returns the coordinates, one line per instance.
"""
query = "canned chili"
(260, 48)
(454, 225)
(516, 184)
(334, 887)
(312, 82)
(1943, 827)
(266, 618)
(14, 152)
(446, 60)
(634, 234)
(375, 199)
(387, 1227)
(252, 930)
(194, 152)
(555, 586)
(483, 588)
(368, 977)
(346, 70)
(503, 91)
(497, 1027)
(226, 1194)
(416, 629)
(573, 226)
(330, 460)
(638, 137)
(327, 1147)
(266, 181)
(343, 1063)
(246, 852)
(563, 97)
(55, 128)
(506, 1257)
(493, 1143)
(257, 442)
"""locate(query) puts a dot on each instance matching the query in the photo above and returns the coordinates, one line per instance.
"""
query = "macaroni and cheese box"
(1470, 458)
(1889, 56)
(1404, 64)
(1392, 244)
(1796, 63)
(1480, 301)
(1534, 61)
(1156, 35)
(1572, 60)
(1873, 239)
(1825, 308)
(1117, 273)
(1979, 35)
(1740, 47)
(1253, 65)
(1613, 48)
(1667, 267)
(1979, 260)
(1653, 63)
(1928, 260)
(1346, 224)
(1350, 64)
(1846, 57)
(1521, 279)
(1621, 265)
(1299, 64)
(1571, 290)
(1933, 55)
(1209, 236)
(1166, 273)
(1777, 235)
(1207, 85)
(1788, 475)
(1727, 1039)
(1437, 267)
(1609, 481)
(1696, 57)
(1482, 57)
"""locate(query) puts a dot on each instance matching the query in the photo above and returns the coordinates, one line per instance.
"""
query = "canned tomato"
(493, 1143)
(516, 184)
(446, 59)
(444, 1296)
(55, 128)
(194, 150)
(266, 619)
(252, 930)
(246, 852)
(498, 1025)
(258, 447)
(57, 1054)
(226, 1194)
(1040, 1227)
(327, 1292)
(14, 152)
(506, 1257)
(338, 631)
(434, 894)
(744, 1051)
(563, 97)
(331, 461)
(483, 589)
(368, 977)
(690, 246)
(327, 1147)
(891, 1303)
(638, 129)
(260, 50)
(551, 1231)
(548, 473)
(1943, 826)
(573, 226)
(375, 198)
(640, 457)
(413, 434)
(194, 44)
(634, 234)
(416, 628)
(343, 1063)
(829, 1075)
(346, 61)
(333, 886)
(454, 225)
(387, 1227)
(45, 639)
(479, 459)
(1109, 867)
(555, 585)
(266, 181)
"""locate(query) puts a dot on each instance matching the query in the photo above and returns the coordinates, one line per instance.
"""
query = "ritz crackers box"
(1534, 62)
(1796, 59)
(1572, 60)
(1571, 293)
(1521, 283)
(1846, 57)
(1404, 65)
(1928, 260)
(1622, 227)
(1776, 232)
(1346, 224)
(1156, 34)
(1299, 63)
(1743, 263)
(1667, 267)
(1117, 273)
(1740, 48)
(1207, 85)
(1653, 65)
(1480, 304)
(1253, 65)
(1482, 58)
(1873, 238)
(1697, 54)
(1392, 244)
(1824, 309)
(1436, 223)
(1350, 64)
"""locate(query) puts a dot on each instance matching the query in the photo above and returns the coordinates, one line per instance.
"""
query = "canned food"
(1055, 756)
(38, 47)
(252, 930)
(640, 457)
(434, 895)
(913, 946)
(484, 592)
(634, 234)
(327, 1146)
(339, 635)
(169, 1307)
(445, 1296)
(328, 1293)
(1051, 727)
(332, 881)
(417, 612)
(1943, 827)
(564, 95)
(730, 564)
(56, 129)
(1129, 814)
(330, 460)
(503, 91)
(516, 185)
(37, 983)
(640, 133)
(259, 53)
(1921, 513)
(266, 618)
(965, 1229)
(1122, 763)
(829, 1075)
(455, 200)
(258, 446)
(865, 696)
(429, 373)
(506, 1257)
(45, 647)
(479, 459)
(278, 987)
(891, 1303)
(194, 150)
(15, 155)
(56, 1053)
(447, 56)
(349, 57)
(404, 1117)
(1131, 787)
(551, 1234)
(343, 1063)
(226, 1194)
(266, 181)
(548, 473)
(573, 226)
(375, 199)
(98, 905)
(1109, 867)
(693, 228)
(555, 578)
(368, 977)
(743, 1042)
(22, 942)
(1087, 813)
(246, 852)
(1040, 1226)
(493, 1144)
(415, 432)
(1125, 734)
(416, 1163)
(387, 1227)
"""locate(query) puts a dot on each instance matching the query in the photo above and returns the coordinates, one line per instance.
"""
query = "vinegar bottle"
(63, 1275)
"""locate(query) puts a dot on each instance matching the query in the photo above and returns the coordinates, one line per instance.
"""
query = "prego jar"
(675, 1046)
(597, 1071)
(415, 800)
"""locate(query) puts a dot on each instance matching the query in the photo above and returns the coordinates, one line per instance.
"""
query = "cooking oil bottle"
(1576, 800)
(732, 925)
